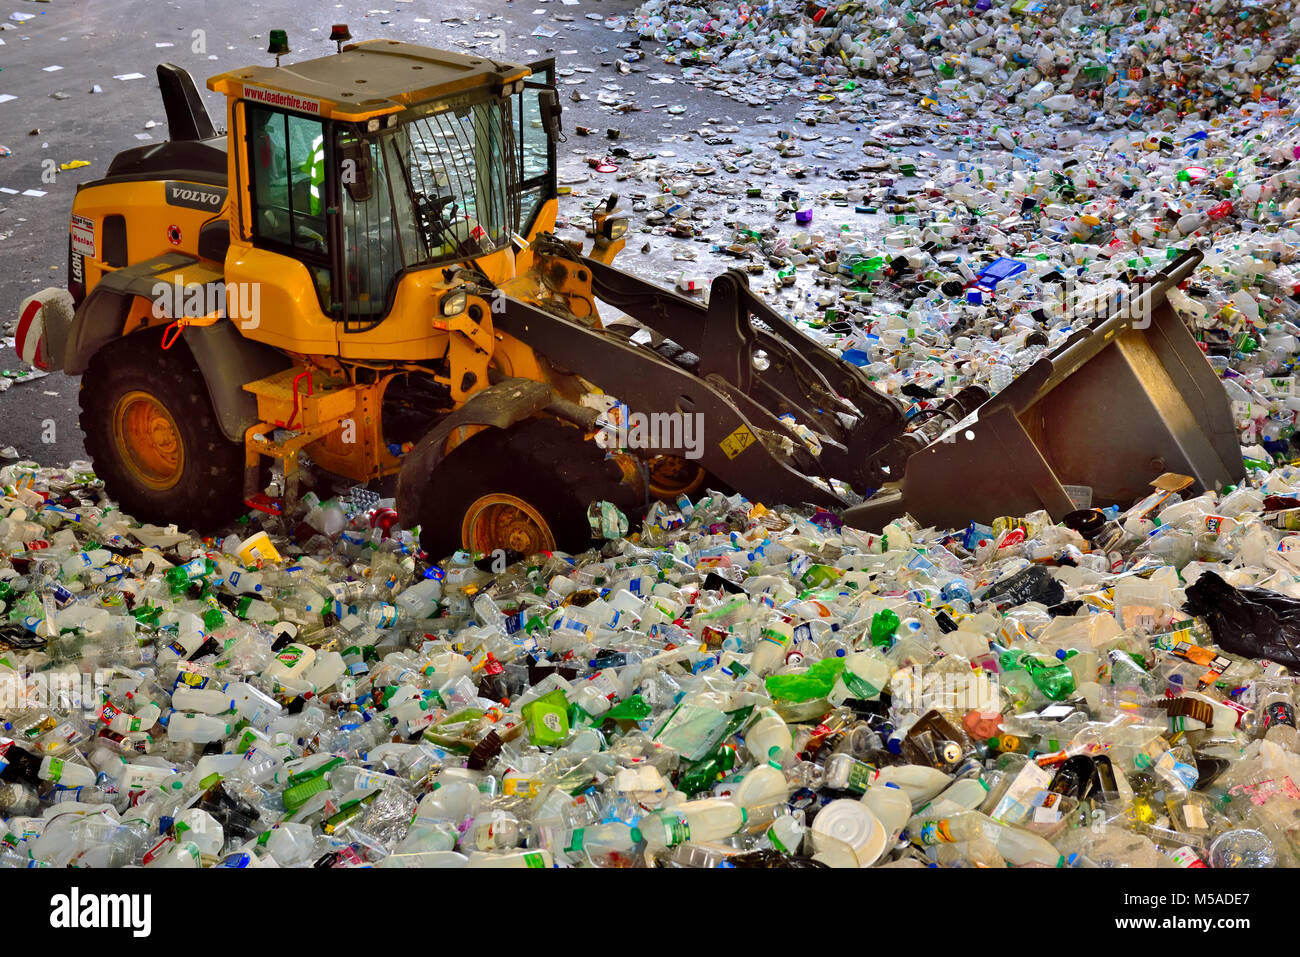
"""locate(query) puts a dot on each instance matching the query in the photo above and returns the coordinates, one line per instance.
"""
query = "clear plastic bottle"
(199, 728)
(598, 843)
(707, 819)
(1018, 846)
(17, 799)
(66, 773)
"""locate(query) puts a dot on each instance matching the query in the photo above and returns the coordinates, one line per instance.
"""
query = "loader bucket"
(1119, 403)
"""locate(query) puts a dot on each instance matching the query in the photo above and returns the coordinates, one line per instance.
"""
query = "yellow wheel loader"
(362, 270)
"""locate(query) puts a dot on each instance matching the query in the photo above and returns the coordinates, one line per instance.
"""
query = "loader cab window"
(380, 235)
(536, 148)
(287, 166)
(437, 185)
(459, 163)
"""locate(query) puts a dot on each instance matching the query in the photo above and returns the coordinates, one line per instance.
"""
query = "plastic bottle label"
(860, 776)
(676, 829)
(936, 832)
(1279, 712)
(1186, 857)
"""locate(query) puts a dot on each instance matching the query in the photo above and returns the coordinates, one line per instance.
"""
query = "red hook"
(296, 379)
(174, 330)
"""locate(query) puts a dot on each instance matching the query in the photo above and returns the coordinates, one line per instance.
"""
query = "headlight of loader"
(453, 304)
(615, 227)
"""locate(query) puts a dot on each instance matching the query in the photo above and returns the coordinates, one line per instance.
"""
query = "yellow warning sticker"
(737, 441)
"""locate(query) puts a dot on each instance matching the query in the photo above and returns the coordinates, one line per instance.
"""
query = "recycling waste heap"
(1019, 165)
(744, 684)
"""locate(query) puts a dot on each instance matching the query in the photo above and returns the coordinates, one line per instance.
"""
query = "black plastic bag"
(1251, 622)
(767, 859)
(1035, 583)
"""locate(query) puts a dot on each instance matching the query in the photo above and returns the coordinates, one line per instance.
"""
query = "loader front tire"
(154, 438)
(524, 489)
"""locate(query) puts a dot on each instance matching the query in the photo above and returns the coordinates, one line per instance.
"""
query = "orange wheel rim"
(505, 521)
(148, 441)
(671, 475)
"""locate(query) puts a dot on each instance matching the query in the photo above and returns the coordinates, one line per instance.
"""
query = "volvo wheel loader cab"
(321, 279)
(361, 270)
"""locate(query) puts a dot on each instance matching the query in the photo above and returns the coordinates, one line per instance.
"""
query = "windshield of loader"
(443, 187)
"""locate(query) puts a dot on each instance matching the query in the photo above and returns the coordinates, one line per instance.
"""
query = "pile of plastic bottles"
(732, 686)
(972, 182)
(1138, 59)
(741, 684)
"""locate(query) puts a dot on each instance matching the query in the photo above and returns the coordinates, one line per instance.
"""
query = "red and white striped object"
(30, 334)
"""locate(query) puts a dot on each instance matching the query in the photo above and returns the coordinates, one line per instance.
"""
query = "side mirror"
(548, 102)
(357, 174)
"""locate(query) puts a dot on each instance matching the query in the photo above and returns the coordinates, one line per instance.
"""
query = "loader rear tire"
(153, 436)
(524, 489)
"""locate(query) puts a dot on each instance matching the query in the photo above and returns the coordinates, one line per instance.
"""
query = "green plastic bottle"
(702, 775)
(1055, 681)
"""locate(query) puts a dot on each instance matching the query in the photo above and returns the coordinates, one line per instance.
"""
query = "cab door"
(537, 185)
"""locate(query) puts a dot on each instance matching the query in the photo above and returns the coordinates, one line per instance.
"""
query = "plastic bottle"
(17, 799)
(124, 722)
(917, 782)
(707, 819)
(513, 859)
(599, 842)
(762, 786)
(845, 773)
(206, 700)
(420, 599)
(771, 647)
(769, 736)
(200, 728)
(66, 774)
(1018, 846)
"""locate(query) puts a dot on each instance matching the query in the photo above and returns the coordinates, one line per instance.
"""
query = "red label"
(1013, 538)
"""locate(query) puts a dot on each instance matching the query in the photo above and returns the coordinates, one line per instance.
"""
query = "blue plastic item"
(999, 269)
